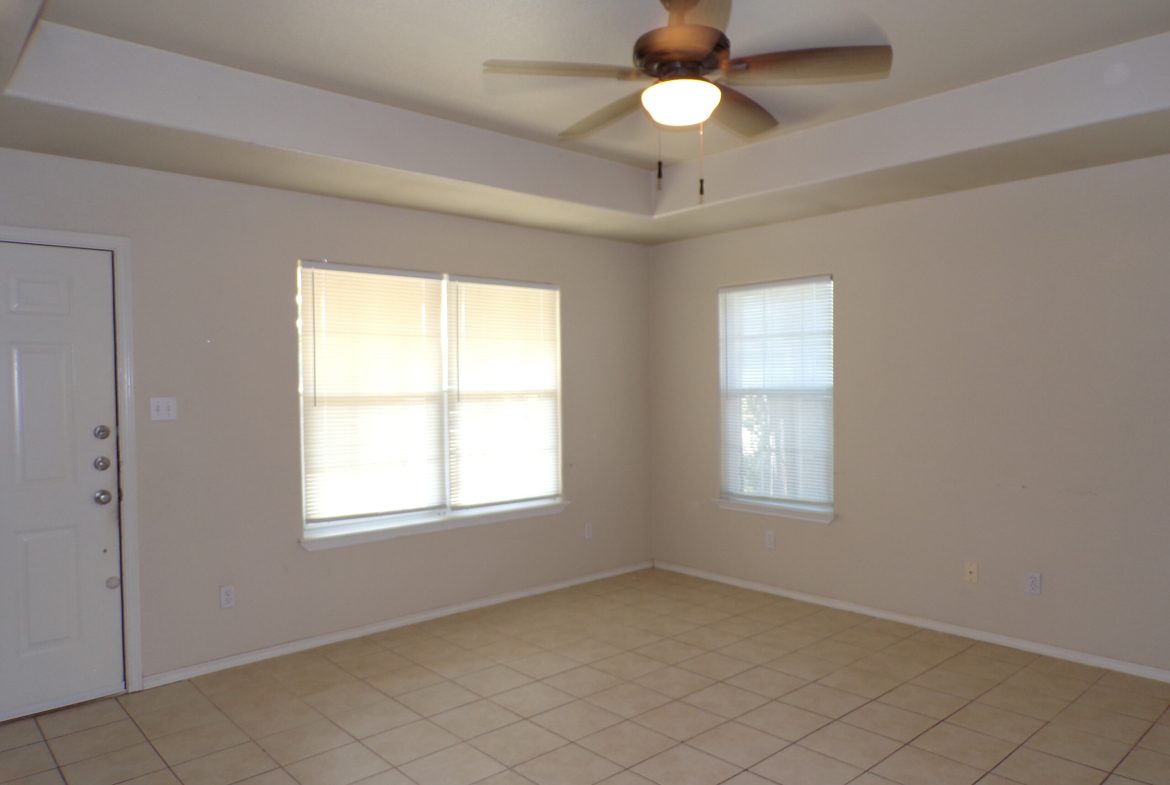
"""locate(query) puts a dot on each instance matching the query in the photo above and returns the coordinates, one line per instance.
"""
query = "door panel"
(60, 612)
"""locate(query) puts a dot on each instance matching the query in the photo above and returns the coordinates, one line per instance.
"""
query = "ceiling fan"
(695, 75)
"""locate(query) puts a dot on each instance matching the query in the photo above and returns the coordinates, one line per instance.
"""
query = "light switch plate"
(164, 409)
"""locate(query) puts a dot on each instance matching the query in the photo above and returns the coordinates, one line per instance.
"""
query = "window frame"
(802, 510)
(337, 532)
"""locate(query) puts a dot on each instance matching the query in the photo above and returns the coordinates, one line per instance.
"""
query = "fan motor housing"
(681, 50)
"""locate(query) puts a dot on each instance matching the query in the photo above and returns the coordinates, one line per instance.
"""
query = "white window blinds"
(777, 392)
(422, 394)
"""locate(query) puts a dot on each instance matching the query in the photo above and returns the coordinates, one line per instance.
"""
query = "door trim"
(119, 247)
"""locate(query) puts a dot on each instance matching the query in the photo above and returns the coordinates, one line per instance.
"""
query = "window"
(426, 400)
(776, 358)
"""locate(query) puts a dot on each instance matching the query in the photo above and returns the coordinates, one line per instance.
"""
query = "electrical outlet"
(971, 572)
(227, 597)
(770, 540)
(1034, 583)
(589, 531)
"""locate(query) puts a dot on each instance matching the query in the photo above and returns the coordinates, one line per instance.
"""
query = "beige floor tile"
(587, 651)
(342, 698)
(1124, 681)
(627, 665)
(796, 765)
(453, 666)
(582, 681)
(458, 765)
(747, 778)
(304, 741)
(836, 651)
(83, 717)
(187, 745)
(623, 778)
(474, 719)
(403, 680)
(114, 767)
(47, 777)
(627, 744)
(1146, 766)
(437, 698)
(161, 777)
(340, 766)
(493, 680)
(859, 682)
(965, 746)
(683, 765)
(675, 682)
(892, 665)
(669, 652)
(532, 699)
(1116, 779)
(1133, 704)
(890, 721)
(752, 650)
(519, 742)
(382, 715)
(961, 685)
(783, 721)
(543, 664)
(873, 779)
(19, 733)
(1032, 767)
(273, 718)
(1075, 745)
(804, 666)
(988, 668)
(714, 665)
(568, 765)
(23, 761)
(1021, 701)
(577, 719)
(628, 699)
(508, 777)
(404, 744)
(912, 766)
(767, 682)
(824, 700)
(998, 723)
(739, 744)
(226, 766)
(921, 700)
(867, 638)
(176, 694)
(178, 717)
(679, 721)
(388, 777)
(95, 741)
(1157, 739)
(1046, 683)
(850, 744)
(725, 700)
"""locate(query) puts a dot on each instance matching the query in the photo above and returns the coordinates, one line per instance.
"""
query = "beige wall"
(1002, 395)
(213, 287)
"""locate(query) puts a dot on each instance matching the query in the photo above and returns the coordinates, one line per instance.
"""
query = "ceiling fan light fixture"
(681, 102)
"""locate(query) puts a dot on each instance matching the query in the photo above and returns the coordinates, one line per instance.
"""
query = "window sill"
(810, 513)
(385, 528)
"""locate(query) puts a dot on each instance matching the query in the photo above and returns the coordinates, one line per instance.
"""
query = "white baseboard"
(1133, 669)
(292, 647)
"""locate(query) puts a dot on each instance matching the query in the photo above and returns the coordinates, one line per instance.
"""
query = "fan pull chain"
(702, 184)
(659, 159)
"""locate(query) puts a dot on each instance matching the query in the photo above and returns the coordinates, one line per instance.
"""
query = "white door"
(60, 601)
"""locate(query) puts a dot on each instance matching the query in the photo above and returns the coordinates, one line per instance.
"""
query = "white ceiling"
(427, 56)
(68, 96)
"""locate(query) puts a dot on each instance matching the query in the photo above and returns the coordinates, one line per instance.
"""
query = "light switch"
(164, 409)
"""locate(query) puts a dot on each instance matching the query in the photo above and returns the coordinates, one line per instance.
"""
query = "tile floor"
(651, 678)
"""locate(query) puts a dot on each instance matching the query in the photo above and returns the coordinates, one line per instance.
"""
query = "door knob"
(103, 497)
(101, 432)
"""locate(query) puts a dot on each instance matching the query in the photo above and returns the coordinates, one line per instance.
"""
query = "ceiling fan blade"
(741, 114)
(811, 66)
(603, 117)
(552, 68)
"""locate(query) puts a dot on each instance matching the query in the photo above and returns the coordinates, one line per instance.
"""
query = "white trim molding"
(1084, 658)
(119, 247)
(292, 647)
